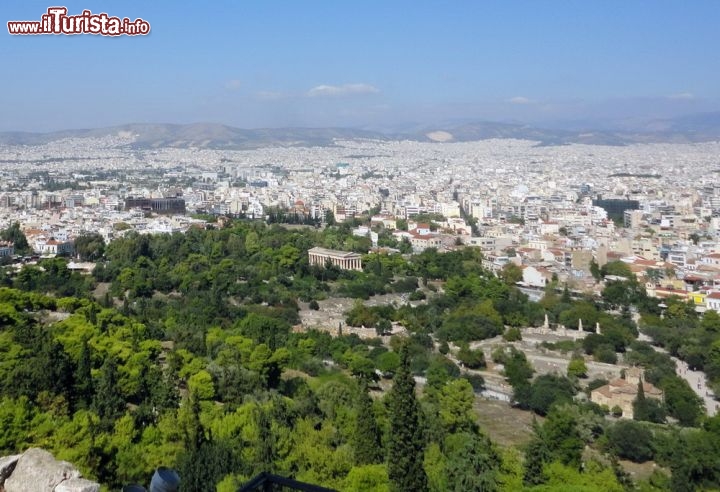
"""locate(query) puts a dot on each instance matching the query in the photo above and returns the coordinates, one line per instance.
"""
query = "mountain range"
(700, 127)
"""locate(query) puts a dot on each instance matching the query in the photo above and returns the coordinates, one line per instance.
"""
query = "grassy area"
(641, 471)
(505, 425)
(327, 376)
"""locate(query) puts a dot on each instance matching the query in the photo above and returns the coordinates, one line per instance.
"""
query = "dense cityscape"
(656, 207)
(407, 246)
(628, 230)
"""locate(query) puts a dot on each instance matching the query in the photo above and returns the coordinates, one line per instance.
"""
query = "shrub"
(577, 368)
(512, 335)
(631, 440)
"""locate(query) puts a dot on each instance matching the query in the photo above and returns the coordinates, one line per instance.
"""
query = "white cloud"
(519, 100)
(341, 90)
(686, 96)
(233, 85)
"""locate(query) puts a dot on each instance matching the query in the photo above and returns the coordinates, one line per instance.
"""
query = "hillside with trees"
(186, 351)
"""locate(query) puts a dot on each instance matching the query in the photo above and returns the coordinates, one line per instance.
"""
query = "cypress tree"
(83, 378)
(108, 402)
(565, 298)
(367, 445)
(405, 444)
(640, 406)
(537, 455)
(266, 445)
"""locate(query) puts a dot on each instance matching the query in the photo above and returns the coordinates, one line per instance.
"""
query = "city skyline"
(369, 65)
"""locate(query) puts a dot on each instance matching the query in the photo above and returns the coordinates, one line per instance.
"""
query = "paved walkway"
(698, 382)
(696, 379)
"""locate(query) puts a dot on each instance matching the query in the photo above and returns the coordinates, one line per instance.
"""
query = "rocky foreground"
(36, 470)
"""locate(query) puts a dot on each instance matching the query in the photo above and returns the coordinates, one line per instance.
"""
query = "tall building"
(631, 219)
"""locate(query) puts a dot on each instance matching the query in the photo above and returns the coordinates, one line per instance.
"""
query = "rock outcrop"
(36, 470)
(7, 465)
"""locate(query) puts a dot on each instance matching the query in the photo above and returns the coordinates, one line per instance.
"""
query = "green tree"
(405, 445)
(383, 327)
(456, 406)
(640, 407)
(263, 329)
(90, 247)
(15, 235)
(388, 362)
(518, 370)
(617, 268)
(368, 478)
(473, 463)
(537, 454)
(363, 368)
(368, 449)
(631, 441)
(474, 359)
(681, 401)
(84, 389)
(266, 453)
(561, 434)
(546, 391)
(252, 242)
(206, 465)
(108, 402)
(577, 368)
(201, 385)
(511, 273)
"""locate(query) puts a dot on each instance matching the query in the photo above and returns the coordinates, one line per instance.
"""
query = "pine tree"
(405, 445)
(367, 445)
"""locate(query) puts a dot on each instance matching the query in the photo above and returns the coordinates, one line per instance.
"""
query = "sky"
(380, 64)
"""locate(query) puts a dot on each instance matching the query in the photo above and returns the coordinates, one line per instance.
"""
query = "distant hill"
(694, 127)
(691, 128)
(702, 127)
(202, 135)
(469, 132)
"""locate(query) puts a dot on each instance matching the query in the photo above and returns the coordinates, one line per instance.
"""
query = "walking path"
(696, 379)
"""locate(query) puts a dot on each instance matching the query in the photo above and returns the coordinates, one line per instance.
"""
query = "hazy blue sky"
(257, 63)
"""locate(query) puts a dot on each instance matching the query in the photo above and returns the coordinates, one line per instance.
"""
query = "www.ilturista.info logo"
(56, 21)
